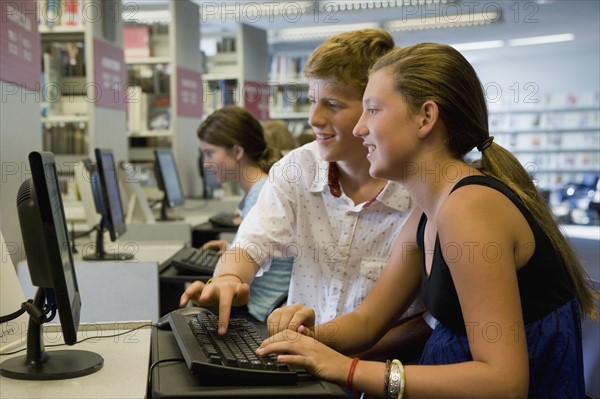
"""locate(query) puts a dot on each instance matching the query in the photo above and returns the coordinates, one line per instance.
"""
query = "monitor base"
(56, 365)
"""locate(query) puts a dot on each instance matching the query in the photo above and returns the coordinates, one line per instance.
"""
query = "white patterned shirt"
(340, 248)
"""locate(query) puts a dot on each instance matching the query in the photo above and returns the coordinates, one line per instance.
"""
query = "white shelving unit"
(83, 82)
(557, 139)
(239, 73)
(165, 91)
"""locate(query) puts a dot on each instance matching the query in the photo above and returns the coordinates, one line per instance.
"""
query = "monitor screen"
(167, 178)
(107, 170)
(51, 268)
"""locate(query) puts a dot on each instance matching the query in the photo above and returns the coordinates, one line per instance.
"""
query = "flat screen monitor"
(50, 262)
(209, 180)
(104, 182)
(167, 178)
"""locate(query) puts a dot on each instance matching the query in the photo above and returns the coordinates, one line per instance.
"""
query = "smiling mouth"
(321, 136)
(370, 148)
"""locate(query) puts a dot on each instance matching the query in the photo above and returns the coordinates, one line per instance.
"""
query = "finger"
(225, 302)
(273, 322)
(192, 291)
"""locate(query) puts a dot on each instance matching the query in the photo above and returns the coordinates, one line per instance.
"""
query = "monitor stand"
(38, 364)
(163, 213)
(100, 254)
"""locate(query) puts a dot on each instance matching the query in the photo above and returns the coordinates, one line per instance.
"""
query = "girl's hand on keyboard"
(295, 317)
(317, 358)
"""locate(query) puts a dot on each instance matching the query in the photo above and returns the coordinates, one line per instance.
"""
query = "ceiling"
(514, 19)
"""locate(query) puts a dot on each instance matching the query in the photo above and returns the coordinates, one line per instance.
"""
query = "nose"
(316, 118)
(360, 129)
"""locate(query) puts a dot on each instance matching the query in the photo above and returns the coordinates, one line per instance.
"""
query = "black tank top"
(544, 283)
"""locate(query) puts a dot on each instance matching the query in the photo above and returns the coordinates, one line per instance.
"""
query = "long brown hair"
(440, 73)
(233, 125)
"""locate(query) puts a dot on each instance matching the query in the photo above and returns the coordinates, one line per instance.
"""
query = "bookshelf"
(289, 91)
(557, 138)
(164, 86)
(83, 80)
(238, 72)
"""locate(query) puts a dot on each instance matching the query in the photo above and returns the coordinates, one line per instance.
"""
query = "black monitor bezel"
(115, 230)
(68, 308)
(172, 200)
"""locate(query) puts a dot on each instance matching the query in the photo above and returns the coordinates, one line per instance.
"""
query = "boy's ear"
(428, 117)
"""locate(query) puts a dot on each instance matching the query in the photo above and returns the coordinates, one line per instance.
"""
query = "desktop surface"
(174, 380)
(124, 374)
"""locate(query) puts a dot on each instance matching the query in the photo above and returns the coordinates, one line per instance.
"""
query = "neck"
(356, 181)
(250, 175)
(429, 186)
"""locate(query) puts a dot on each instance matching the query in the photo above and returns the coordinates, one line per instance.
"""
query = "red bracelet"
(351, 372)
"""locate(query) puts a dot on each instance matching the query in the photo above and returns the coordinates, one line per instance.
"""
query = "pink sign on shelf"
(256, 99)
(20, 44)
(110, 76)
(189, 93)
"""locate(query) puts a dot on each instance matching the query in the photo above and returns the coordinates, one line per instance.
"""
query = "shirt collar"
(393, 195)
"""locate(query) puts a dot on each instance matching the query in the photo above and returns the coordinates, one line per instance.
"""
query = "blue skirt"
(554, 344)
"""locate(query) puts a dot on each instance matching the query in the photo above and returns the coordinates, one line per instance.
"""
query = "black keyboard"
(229, 359)
(195, 260)
(224, 219)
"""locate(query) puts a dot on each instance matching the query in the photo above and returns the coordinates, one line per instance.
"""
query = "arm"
(488, 292)
(269, 222)
(395, 287)
(225, 289)
(485, 279)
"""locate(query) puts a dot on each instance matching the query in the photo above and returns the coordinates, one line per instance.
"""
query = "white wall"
(20, 133)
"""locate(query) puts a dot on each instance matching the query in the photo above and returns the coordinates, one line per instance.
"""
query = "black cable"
(84, 234)
(85, 339)
(13, 315)
(156, 363)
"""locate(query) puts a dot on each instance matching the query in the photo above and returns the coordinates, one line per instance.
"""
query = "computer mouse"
(163, 322)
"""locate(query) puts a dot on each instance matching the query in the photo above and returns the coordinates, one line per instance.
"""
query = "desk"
(124, 374)
(173, 380)
(204, 232)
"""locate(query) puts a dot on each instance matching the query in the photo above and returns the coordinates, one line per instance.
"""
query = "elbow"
(515, 387)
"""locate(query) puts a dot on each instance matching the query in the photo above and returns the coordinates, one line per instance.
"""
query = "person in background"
(321, 206)
(493, 267)
(305, 138)
(235, 149)
(278, 135)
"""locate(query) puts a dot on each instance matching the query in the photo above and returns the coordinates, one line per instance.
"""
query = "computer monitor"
(167, 178)
(107, 197)
(137, 207)
(84, 187)
(209, 180)
(50, 262)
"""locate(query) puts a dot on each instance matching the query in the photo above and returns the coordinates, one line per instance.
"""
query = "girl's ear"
(238, 152)
(428, 117)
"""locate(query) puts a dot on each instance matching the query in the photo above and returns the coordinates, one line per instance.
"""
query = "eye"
(371, 111)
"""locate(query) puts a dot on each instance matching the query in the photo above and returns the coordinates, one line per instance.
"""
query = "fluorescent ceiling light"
(443, 21)
(478, 45)
(527, 41)
(319, 32)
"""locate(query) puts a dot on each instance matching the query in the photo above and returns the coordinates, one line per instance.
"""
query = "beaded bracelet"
(225, 275)
(351, 372)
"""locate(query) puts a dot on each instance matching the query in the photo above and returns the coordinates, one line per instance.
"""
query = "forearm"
(464, 380)
(237, 261)
(343, 335)
(404, 341)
